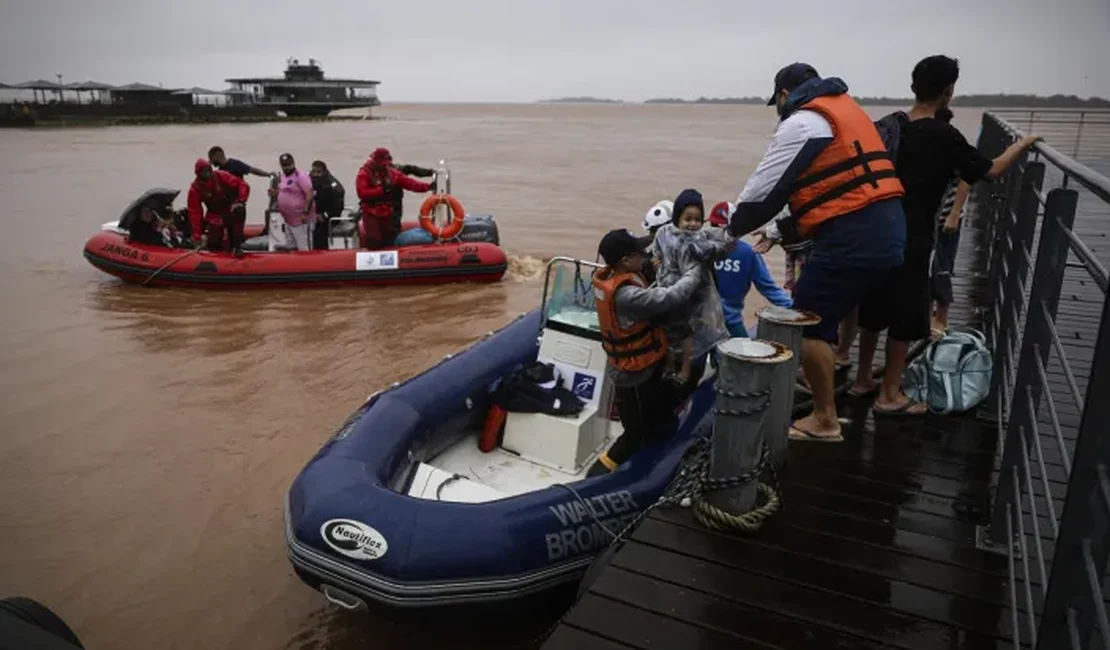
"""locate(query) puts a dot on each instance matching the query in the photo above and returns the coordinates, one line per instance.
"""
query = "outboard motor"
(480, 228)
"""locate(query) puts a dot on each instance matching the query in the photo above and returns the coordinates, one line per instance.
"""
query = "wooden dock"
(875, 546)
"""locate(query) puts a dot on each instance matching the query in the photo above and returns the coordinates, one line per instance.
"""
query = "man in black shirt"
(329, 202)
(930, 152)
(233, 166)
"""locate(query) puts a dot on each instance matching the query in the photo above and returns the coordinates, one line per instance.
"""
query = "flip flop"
(841, 365)
(853, 392)
(902, 411)
(797, 433)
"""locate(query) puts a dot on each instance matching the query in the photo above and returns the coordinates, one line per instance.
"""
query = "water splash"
(525, 268)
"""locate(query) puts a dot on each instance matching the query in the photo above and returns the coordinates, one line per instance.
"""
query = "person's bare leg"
(891, 397)
(940, 317)
(868, 343)
(819, 362)
(849, 327)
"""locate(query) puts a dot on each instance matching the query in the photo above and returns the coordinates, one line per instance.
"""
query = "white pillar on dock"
(784, 326)
(743, 396)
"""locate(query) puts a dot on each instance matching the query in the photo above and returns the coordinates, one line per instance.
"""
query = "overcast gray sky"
(523, 50)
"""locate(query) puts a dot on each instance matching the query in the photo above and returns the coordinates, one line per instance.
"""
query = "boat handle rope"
(169, 264)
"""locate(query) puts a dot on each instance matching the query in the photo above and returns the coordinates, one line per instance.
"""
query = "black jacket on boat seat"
(537, 389)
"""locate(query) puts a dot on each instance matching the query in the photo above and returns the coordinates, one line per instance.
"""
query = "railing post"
(1048, 276)
(1017, 231)
(1079, 564)
(999, 204)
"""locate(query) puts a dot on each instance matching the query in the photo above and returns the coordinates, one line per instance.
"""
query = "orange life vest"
(852, 172)
(630, 349)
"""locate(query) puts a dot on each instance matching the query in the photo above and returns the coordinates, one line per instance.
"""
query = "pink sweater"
(293, 194)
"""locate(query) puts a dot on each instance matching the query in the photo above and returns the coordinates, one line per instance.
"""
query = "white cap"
(658, 215)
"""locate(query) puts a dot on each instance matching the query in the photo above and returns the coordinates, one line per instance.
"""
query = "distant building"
(304, 91)
(147, 95)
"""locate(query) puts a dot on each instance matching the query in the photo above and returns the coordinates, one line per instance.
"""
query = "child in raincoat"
(693, 330)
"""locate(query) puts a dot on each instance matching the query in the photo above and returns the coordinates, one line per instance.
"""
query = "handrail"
(1098, 184)
(1022, 215)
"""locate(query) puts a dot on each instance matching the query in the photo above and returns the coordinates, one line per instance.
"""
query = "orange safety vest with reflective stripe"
(633, 348)
(852, 172)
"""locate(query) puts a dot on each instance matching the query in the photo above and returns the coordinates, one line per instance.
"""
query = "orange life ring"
(458, 215)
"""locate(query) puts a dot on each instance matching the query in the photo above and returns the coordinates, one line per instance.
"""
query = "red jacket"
(217, 194)
(375, 199)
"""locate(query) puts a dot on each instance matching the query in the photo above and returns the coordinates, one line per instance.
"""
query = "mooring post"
(782, 325)
(743, 395)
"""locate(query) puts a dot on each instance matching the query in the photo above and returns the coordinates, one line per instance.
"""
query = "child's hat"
(658, 215)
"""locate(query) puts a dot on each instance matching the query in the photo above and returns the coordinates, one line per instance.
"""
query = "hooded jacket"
(217, 194)
(685, 199)
(377, 199)
(873, 240)
(681, 252)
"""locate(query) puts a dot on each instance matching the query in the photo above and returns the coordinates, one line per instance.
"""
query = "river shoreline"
(87, 121)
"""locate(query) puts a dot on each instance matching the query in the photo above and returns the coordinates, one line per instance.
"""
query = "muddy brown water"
(147, 436)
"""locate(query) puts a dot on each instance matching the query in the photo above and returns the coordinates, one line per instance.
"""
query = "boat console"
(571, 342)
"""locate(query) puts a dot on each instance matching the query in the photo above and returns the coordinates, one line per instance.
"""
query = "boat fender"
(453, 227)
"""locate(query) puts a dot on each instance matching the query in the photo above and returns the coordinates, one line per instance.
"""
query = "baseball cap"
(721, 213)
(616, 244)
(285, 159)
(792, 76)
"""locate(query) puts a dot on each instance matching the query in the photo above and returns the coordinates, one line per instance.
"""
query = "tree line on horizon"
(999, 100)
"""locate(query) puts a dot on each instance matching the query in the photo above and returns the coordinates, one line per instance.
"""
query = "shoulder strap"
(890, 130)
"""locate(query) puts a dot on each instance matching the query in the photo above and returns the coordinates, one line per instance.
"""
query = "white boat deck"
(494, 475)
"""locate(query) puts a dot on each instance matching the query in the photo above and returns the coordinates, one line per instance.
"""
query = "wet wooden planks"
(874, 548)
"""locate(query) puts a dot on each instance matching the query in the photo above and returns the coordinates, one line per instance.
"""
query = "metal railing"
(1053, 435)
(1080, 134)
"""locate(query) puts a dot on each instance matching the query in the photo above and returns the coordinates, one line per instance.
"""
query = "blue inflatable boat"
(402, 507)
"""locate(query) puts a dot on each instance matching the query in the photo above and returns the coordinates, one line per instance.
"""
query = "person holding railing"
(929, 151)
(375, 183)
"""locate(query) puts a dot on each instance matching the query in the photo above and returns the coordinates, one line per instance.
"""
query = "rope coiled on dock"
(749, 522)
(721, 520)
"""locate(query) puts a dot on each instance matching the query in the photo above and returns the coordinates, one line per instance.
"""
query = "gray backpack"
(953, 375)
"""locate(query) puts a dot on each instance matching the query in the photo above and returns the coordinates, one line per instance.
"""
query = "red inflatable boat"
(461, 260)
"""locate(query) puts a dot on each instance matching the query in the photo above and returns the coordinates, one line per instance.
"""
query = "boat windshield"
(569, 296)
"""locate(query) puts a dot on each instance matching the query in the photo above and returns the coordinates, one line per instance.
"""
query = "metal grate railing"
(1050, 394)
